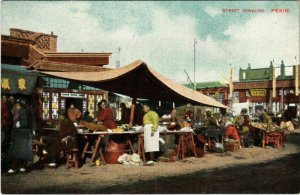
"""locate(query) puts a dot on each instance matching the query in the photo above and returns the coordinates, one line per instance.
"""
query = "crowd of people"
(16, 127)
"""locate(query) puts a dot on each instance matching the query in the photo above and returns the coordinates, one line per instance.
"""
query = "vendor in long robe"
(105, 116)
(151, 133)
(21, 143)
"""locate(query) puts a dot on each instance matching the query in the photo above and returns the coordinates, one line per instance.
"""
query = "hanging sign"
(257, 92)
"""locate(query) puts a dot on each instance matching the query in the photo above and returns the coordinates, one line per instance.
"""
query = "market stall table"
(100, 135)
(275, 135)
(185, 140)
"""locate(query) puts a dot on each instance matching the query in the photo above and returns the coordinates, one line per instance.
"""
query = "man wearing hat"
(21, 146)
(211, 122)
(245, 128)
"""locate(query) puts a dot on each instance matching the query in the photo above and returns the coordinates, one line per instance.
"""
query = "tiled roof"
(204, 85)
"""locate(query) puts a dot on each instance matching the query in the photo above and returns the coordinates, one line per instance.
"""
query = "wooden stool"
(72, 159)
(185, 142)
(38, 146)
(273, 137)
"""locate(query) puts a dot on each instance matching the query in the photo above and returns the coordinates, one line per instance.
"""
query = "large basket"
(231, 146)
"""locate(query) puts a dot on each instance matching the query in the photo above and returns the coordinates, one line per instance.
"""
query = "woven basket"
(231, 146)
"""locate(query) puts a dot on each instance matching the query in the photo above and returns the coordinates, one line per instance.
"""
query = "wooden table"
(185, 141)
(100, 135)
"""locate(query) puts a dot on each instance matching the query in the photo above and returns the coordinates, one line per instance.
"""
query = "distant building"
(255, 86)
(214, 89)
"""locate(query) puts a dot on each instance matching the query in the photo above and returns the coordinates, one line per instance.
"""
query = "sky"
(162, 33)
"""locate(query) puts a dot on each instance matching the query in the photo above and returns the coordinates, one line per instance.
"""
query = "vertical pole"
(132, 111)
(195, 85)
(274, 83)
(297, 80)
(281, 101)
(231, 87)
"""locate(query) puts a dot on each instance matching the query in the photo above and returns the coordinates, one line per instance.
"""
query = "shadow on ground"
(277, 176)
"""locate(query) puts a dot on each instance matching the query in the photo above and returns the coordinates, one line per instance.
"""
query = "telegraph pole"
(195, 85)
(118, 57)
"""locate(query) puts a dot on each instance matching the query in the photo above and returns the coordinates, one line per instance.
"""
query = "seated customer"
(74, 113)
(231, 132)
(67, 139)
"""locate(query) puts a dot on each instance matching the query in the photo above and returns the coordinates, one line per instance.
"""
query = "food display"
(117, 130)
(92, 126)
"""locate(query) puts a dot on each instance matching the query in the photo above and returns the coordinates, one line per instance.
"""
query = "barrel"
(114, 149)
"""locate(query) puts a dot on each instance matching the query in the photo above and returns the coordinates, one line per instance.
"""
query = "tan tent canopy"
(139, 81)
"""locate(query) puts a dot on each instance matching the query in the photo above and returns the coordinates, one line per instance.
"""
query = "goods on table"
(172, 126)
(119, 130)
(92, 126)
(186, 124)
(264, 126)
(124, 126)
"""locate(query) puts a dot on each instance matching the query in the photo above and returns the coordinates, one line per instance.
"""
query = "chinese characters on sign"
(6, 84)
(257, 92)
(22, 84)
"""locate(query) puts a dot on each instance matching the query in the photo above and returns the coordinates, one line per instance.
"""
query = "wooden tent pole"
(133, 106)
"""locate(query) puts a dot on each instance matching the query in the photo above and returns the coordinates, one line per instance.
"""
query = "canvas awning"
(139, 81)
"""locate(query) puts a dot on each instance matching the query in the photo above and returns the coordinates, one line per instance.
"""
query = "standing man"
(105, 116)
(21, 146)
(151, 133)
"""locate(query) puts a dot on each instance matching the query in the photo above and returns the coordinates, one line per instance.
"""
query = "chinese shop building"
(23, 52)
(255, 86)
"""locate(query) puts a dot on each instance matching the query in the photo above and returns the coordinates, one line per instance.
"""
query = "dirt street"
(250, 170)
